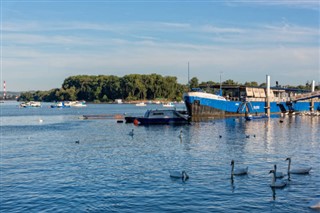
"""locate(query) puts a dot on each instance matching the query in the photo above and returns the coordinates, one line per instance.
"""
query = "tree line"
(107, 88)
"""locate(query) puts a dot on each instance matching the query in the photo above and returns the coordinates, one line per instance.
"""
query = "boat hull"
(198, 105)
(174, 121)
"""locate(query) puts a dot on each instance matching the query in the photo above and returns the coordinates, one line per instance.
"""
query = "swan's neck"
(289, 164)
(273, 179)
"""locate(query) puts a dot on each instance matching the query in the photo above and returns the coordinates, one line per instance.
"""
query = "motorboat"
(60, 104)
(170, 104)
(141, 104)
(75, 103)
(30, 104)
(162, 116)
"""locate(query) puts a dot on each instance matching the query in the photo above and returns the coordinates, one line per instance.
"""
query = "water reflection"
(134, 170)
(273, 193)
(232, 184)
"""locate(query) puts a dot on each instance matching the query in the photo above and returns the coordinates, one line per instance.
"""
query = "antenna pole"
(220, 92)
(4, 90)
(188, 77)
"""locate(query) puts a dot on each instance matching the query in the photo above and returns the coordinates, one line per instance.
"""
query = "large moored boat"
(240, 100)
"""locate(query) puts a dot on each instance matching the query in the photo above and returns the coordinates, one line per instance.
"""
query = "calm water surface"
(44, 170)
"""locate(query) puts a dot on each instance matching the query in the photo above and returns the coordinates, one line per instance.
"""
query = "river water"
(44, 170)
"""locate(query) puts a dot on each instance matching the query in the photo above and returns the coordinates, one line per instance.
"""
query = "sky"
(44, 42)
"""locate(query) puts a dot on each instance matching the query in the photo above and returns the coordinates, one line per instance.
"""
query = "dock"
(102, 116)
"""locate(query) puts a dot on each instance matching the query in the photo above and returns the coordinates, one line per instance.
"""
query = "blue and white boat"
(162, 116)
(282, 100)
(60, 105)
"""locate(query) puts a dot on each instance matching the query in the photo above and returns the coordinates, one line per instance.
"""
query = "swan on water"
(278, 174)
(276, 184)
(175, 174)
(180, 135)
(298, 170)
(40, 120)
(315, 204)
(238, 171)
(131, 133)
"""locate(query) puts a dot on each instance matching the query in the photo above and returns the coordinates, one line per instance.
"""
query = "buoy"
(135, 122)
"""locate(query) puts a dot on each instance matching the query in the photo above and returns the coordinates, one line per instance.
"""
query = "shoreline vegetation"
(133, 88)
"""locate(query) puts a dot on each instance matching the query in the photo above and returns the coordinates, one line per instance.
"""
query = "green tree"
(194, 82)
(230, 82)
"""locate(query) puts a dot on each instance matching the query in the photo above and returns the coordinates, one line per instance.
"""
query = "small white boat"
(76, 104)
(30, 104)
(170, 104)
(141, 104)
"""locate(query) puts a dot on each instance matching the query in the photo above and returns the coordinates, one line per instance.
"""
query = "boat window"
(147, 114)
(158, 113)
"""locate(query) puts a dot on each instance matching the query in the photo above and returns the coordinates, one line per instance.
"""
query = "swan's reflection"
(232, 184)
(273, 193)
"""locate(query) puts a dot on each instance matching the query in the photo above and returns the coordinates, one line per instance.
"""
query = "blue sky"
(44, 42)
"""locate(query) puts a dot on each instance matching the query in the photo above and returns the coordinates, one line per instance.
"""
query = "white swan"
(299, 170)
(274, 183)
(131, 133)
(315, 204)
(176, 174)
(238, 171)
(278, 174)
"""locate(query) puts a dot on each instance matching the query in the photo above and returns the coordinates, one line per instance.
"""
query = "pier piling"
(268, 96)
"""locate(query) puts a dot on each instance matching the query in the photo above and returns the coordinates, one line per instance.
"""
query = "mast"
(220, 92)
(188, 77)
(4, 90)
(268, 96)
(312, 100)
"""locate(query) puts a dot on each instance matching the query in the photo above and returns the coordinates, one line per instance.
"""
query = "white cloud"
(167, 59)
(307, 4)
(287, 52)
